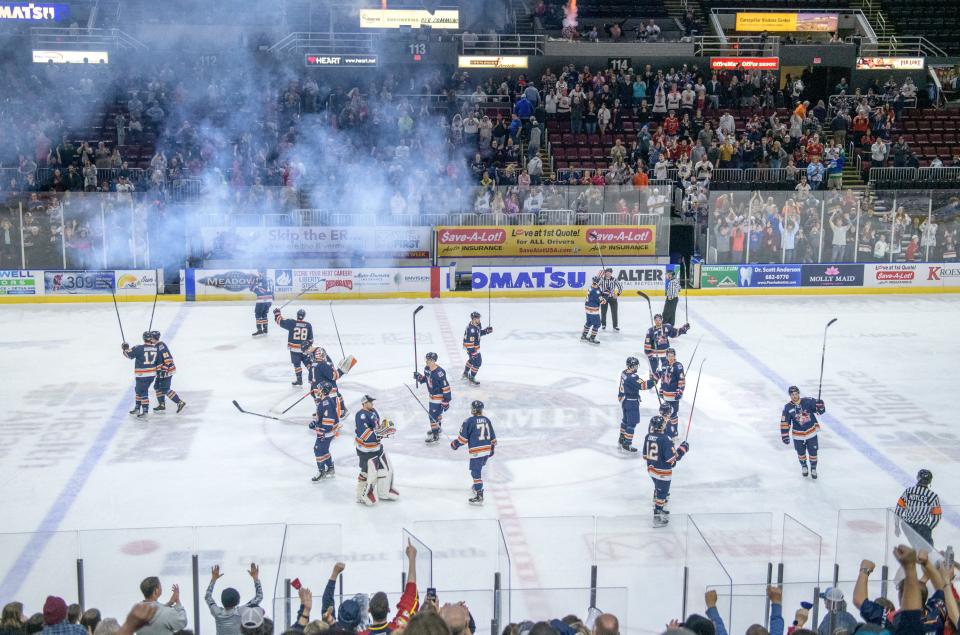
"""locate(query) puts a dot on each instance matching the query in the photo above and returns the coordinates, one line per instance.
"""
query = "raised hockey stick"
(649, 306)
(310, 288)
(290, 407)
(599, 251)
(823, 355)
(153, 310)
(694, 354)
(489, 303)
(416, 358)
(686, 292)
(337, 329)
(262, 416)
(117, 309)
(693, 404)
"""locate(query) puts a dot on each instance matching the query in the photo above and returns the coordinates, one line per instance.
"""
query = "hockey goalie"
(375, 482)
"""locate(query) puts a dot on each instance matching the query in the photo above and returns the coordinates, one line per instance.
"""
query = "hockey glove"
(683, 448)
(487, 331)
(786, 440)
(453, 444)
(684, 329)
(125, 346)
(446, 406)
(276, 311)
(820, 407)
(417, 377)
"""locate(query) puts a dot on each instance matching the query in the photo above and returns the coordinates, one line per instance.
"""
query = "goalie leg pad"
(365, 492)
(384, 486)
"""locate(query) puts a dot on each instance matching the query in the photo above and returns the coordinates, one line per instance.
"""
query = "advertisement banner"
(806, 22)
(217, 281)
(136, 282)
(20, 282)
(565, 278)
(318, 242)
(769, 275)
(719, 276)
(33, 11)
(414, 18)
(545, 240)
(71, 57)
(897, 274)
(890, 63)
(832, 275)
(744, 63)
(346, 281)
(493, 61)
(947, 274)
(78, 282)
(354, 60)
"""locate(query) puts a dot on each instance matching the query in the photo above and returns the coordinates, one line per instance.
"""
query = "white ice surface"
(72, 459)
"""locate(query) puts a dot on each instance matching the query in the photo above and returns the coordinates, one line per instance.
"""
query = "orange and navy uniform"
(165, 370)
(264, 293)
(440, 395)
(325, 425)
(471, 343)
(165, 359)
(661, 456)
(298, 332)
(800, 419)
(629, 397)
(657, 341)
(366, 431)
(477, 434)
(672, 381)
(145, 358)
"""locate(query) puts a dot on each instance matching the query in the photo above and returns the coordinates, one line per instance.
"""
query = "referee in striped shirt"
(919, 507)
(673, 297)
(611, 289)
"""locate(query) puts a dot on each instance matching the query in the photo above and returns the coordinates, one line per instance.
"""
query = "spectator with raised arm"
(227, 617)
(169, 617)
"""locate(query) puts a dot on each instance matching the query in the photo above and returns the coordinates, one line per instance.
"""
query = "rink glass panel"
(892, 218)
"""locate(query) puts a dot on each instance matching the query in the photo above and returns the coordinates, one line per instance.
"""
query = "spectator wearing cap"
(227, 617)
(253, 622)
(170, 617)
(837, 617)
(55, 618)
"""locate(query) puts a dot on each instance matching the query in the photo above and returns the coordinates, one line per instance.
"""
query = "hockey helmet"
(596, 280)
(321, 352)
(475, 315)
(924, 477)
(657, 424)
(632, 362)
(432, 357)
(325, 387)
(476, 406)
(367, 399)
(155, 335)
(301, 314)
(147, 336)
(793, 389)
(666, 410)
(671, 351)
(658, 316)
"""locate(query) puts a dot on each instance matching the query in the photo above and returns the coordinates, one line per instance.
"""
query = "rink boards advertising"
(545, 241)
(786, 275)
(234, 284)
(558, 278)
(320, 242)
(126, 283)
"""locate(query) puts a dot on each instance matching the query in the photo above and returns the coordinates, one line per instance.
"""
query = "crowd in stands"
(926, 605)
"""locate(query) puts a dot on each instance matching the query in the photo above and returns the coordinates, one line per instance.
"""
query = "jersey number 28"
(300, 333)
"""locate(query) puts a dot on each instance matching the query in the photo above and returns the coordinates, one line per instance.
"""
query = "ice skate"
(477, 499)
(160, 408)
(660, 519)
(805, 471)
(813, 473)
(181, 406)
(432, 436)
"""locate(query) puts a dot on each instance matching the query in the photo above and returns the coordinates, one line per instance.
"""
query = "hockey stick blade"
(262, 416)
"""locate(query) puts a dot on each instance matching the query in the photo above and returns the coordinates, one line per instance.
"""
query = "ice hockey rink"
(82, 479)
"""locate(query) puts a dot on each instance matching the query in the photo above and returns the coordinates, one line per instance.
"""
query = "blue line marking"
(852, 438)
(31, 552)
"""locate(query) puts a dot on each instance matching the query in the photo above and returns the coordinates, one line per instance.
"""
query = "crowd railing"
(506, 570)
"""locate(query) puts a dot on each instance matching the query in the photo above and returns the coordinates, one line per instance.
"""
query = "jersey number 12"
(652, 451)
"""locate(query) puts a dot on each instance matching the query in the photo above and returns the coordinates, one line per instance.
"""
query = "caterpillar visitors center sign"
(493, 61)
(413, 18)
(804, 22)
